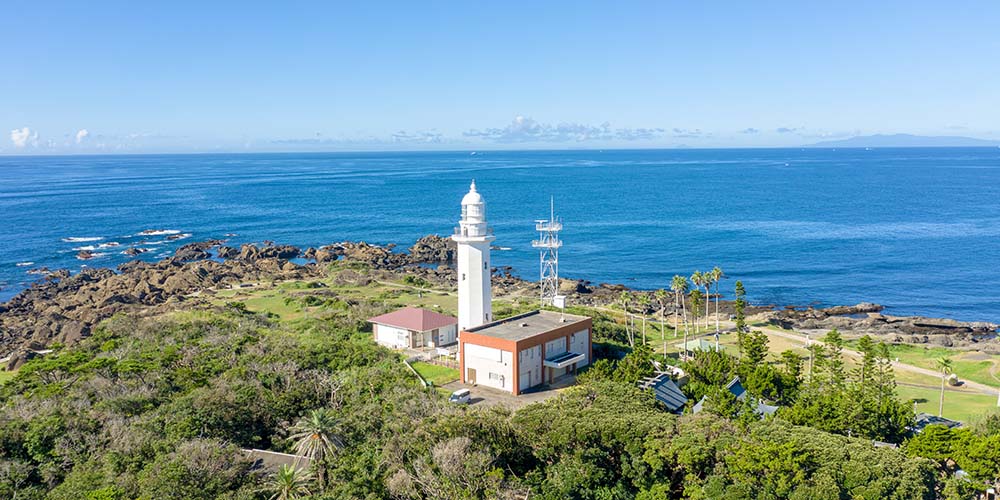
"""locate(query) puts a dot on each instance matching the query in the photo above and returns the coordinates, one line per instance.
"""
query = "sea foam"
(157, 232)
(80, 239)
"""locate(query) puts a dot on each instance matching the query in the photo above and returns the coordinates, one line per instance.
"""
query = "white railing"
(548, 226)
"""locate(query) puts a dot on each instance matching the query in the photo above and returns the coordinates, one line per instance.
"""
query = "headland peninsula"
(222, 350)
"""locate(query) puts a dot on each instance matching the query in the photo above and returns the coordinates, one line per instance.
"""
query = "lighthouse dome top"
(472, 197)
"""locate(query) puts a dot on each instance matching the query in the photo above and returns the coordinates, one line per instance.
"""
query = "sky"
(134, 77)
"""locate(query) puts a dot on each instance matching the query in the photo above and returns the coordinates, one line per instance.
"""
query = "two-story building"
(524, 351)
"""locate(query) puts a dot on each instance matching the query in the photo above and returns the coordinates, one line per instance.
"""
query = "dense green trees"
(160, 408)
(860, 403)
(974, 450)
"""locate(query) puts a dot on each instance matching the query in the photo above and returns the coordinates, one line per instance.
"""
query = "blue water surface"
(914, 229)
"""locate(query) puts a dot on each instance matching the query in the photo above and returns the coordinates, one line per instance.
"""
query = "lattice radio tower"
(548, 244)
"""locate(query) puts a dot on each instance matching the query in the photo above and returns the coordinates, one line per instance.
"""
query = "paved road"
(487, 396)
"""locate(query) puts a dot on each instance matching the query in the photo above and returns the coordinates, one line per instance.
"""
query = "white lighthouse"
(473, 238)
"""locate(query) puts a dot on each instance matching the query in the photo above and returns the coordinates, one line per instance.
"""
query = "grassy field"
(437, 374)
(968, 365)
(961, 406)
(294, 300)
(6, 375)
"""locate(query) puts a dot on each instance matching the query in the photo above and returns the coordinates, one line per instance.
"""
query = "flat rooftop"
(526, 325)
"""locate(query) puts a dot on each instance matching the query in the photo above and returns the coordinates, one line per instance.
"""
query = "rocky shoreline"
(64, 308)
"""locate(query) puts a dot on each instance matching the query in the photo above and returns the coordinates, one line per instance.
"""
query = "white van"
(461, 396)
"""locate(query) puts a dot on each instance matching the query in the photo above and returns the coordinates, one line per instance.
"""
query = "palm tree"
(695, 296)
(624, 298)
(315, 437)
(944, 364)
(679, 285)
(701, 279)
(644, 304)
(717, 276)
(661, 299)
(290, 483)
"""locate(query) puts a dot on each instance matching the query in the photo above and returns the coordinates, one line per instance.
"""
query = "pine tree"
(863, 373)
(741, 319)
(756, 347)
(834, 358)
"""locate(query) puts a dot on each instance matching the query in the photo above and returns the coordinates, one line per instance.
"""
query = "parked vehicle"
(461, 396)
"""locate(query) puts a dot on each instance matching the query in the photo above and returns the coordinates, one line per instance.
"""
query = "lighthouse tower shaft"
(473, 238)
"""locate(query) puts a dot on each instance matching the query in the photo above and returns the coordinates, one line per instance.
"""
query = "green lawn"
(437, 374)
(968, 365)
(272, 298)
(957, 405)
(6, 375)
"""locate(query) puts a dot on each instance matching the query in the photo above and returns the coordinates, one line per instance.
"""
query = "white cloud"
(24, 137)
(524, 129)
(81, 135)
(430, 137)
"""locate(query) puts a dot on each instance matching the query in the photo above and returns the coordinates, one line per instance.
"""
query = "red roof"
(413, 318)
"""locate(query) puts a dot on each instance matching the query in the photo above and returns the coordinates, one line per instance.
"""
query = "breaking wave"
(80, 239)
(157, 232)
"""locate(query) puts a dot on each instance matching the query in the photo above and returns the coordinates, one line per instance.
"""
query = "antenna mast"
(548, 244)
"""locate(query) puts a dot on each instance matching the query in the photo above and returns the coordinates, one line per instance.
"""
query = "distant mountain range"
(905, 141)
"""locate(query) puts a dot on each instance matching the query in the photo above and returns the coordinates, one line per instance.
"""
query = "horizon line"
(429, 151)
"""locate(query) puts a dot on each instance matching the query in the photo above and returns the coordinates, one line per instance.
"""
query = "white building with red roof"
(412, 327)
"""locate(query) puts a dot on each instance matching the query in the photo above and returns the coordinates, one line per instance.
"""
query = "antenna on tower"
(548, 244)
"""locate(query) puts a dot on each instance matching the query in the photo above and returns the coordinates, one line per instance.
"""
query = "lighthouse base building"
(524, 351)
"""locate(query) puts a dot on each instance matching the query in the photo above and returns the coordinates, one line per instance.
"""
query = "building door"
(470, 376)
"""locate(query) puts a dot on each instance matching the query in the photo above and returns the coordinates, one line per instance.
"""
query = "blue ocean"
(917, 230)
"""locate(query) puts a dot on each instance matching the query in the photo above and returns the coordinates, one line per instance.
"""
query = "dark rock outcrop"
(196, 251)
(252, 253)
(376, 256)
(64, 308)
(867, 319)
(225, 252)
(433, 248)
